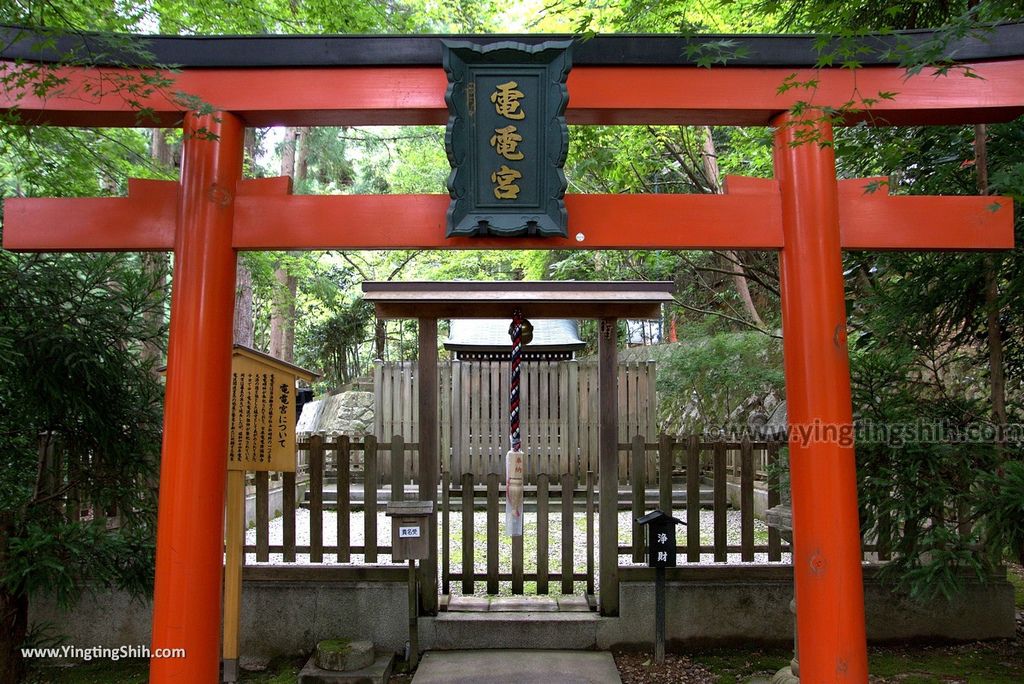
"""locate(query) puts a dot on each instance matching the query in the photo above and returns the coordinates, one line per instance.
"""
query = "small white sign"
(407, 532)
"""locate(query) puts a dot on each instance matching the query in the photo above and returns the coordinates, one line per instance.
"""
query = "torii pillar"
(826, 540)
(189, 555)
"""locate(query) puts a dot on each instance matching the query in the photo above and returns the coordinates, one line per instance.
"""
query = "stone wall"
(347, 413)
(286, 610)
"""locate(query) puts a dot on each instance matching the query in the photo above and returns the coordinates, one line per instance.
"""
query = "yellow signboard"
(262, 430)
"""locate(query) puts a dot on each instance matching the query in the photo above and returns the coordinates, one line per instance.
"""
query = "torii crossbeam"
(804, 213)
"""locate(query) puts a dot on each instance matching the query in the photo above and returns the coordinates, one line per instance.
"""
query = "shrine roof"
(262, 51)
(535, 298)
(491, 335)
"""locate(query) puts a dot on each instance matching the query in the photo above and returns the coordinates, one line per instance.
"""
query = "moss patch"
(334, 645)
(997, 662)
(280, 671)
(1015, 574)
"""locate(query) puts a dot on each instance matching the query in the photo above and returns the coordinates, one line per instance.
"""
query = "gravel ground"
(639, 668)
(357, 532)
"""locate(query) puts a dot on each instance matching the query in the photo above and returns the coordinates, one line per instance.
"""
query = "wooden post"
(428, 459)
(234, 541)
(826, 531)
(193, 466)
(414, 641)
(659, 615)
(608, 457)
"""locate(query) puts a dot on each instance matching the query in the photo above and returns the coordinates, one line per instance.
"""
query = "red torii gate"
(805, 213)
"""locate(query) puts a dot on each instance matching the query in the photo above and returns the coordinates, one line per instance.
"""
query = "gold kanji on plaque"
(506, 100)
(505, 179)
(505, 142)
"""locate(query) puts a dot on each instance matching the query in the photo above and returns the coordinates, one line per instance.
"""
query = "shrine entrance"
(606, 301)
(804, 212)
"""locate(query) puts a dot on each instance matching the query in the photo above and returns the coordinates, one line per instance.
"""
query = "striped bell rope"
(515, 331)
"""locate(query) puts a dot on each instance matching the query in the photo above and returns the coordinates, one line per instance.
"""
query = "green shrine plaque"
(507, 139)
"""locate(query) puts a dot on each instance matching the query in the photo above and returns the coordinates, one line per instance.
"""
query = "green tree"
(79, 431)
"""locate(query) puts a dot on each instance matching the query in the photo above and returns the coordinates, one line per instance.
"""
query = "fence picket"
(637, 461)
(517, 564)
(444, 402)
(720, 529)
(397, 467)
(288, 494)
(568, 484)
(590, 532)
(468, 531)
(620, 389)
(446, 539)
(492, 533)
(370, 499)
(774, 499)
(343, 463)
(262, 516)
(542, 533)
(693, 500)
(316, 499)
(746, 501)
(649, 402)
(499, 411)
(666, 447)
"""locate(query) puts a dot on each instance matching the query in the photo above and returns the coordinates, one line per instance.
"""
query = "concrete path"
(517, 667)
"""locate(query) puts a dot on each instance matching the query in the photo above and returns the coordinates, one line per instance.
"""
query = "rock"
(254, 663)
(347, 413)
(342, 655)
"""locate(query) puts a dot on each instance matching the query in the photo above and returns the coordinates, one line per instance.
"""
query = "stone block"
(342, 655)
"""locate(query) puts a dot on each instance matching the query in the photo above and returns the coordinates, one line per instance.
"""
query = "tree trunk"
(710, 159)
(155, 264)
(244, 328)
(282, 309)
(13, 616)
(380, 338)
(997, 377)
(13, 628)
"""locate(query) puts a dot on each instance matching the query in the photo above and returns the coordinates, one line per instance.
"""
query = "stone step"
(521, 667)
(484, 630)
(516, 604)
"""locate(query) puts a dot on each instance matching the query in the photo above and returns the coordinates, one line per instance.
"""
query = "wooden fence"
(559, 418)
(691, 466)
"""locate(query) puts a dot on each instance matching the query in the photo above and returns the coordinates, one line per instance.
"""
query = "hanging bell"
(527, 334)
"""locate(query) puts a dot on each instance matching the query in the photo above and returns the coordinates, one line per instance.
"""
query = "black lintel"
(263, 51)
